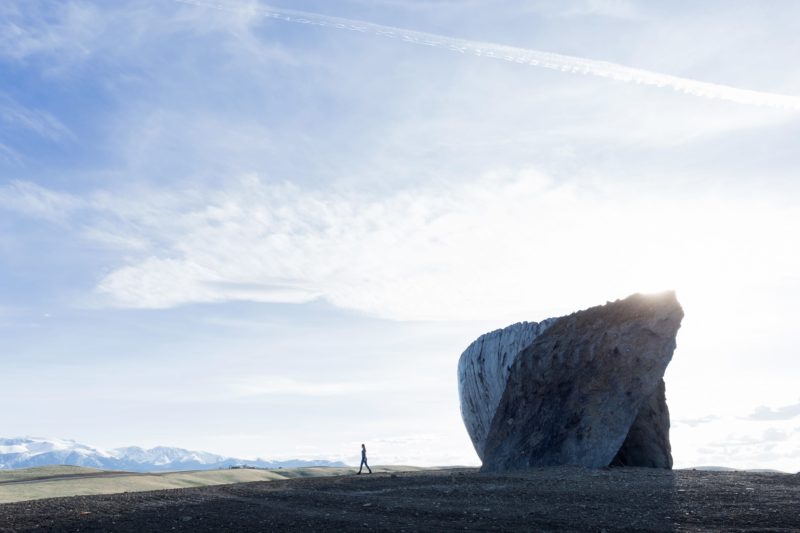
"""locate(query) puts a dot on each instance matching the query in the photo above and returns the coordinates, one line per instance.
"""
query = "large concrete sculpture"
(584, 389)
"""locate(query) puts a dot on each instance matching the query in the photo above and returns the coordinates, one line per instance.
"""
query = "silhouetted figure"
(364, 459)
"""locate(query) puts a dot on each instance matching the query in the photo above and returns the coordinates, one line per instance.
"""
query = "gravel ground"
(563, 499)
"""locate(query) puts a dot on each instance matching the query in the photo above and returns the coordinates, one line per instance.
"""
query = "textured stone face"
(647, 443)
(584, 389)
(483, 372)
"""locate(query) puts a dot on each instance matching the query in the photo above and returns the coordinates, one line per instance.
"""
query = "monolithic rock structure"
(585, 389)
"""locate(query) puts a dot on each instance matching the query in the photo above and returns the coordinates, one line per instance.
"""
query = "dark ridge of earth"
(550, 499)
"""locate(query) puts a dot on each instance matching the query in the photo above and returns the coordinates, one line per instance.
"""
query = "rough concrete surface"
(586, 389)
(483, 372)
(573, 395)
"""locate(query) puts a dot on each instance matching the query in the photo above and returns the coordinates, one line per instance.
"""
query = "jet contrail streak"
(523, 56)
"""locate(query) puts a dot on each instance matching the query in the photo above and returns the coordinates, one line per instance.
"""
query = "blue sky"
(228, 232)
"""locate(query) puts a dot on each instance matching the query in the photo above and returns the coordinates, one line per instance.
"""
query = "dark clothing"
(364, 461)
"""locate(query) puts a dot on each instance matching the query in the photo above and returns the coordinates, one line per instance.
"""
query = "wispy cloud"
(44, 27)
(9, 154)
(522, 56)
(14, 116)
(483, 249)
(33, 200)
(769, 435)
(616, 9)
(283, 386)
(59, 36)
(786, 412)
(623, 9)
(736, 442)
(693, 422)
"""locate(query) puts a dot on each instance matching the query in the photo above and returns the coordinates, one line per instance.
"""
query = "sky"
(224, 230)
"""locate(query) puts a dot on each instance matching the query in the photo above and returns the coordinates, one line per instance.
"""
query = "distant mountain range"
(729, 469)
(28, 452)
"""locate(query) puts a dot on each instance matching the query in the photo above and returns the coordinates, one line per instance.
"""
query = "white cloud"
(786, 412)
(508, 244)
(737, 443)
(386, 256)
(36, 201)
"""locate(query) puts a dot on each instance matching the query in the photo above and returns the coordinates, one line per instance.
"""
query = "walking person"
(364, 460)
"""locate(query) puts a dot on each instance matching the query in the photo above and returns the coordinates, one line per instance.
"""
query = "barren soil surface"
(571, 499)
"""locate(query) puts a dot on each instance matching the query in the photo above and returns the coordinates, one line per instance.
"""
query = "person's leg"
(361, 466)
(368, 468)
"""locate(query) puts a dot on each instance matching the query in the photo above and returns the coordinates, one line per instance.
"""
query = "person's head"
(362, 445)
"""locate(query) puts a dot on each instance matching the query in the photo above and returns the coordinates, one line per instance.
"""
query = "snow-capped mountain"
(29, 451)
(162, 455)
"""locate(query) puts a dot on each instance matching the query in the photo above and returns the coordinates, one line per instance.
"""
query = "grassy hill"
(58, 481)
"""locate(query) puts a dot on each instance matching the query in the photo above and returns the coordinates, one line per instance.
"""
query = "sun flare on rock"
(584, 389)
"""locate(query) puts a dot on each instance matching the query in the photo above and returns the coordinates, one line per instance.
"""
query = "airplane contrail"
(523, 56)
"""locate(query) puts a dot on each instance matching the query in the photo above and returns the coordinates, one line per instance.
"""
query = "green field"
(59, 481)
